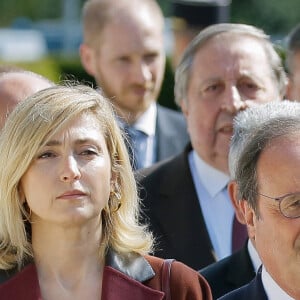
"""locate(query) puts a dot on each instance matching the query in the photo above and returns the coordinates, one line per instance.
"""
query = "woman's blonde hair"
(27, 129)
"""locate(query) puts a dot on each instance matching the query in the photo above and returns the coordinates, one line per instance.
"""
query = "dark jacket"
(229, 273)
(125, 277)
(251, 291)
(171, 133)
(171, 207)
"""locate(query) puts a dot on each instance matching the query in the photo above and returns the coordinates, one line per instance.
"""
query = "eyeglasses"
(289, 204)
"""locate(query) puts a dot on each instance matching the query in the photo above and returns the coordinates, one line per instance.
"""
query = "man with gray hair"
(267, 191)
(225, 69)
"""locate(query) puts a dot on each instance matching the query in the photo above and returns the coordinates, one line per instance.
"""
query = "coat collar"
(124, 277)
(133, 265)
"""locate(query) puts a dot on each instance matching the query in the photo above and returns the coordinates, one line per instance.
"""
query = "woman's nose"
(70, 170)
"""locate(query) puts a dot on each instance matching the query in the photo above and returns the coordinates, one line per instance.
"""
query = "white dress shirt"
(215, 204)
(272, 289)
(255, 259)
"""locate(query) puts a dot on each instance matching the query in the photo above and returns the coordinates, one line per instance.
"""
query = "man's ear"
(87, 59)
(233, 194)
(184, 107)
(249, 217)
(289, 89)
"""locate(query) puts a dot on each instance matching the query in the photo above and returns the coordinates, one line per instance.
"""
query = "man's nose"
(233, 101)
(142, 72)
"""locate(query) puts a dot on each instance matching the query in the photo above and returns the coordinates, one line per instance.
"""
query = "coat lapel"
(183, 225)
(240, 270)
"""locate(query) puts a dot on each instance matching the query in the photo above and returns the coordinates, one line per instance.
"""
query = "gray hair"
(182, 74)
(293, 46)
(254, 129)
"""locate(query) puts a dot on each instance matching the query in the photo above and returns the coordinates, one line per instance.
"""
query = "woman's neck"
(67, 259)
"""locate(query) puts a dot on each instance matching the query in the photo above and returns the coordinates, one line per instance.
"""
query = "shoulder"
(169, 113)
(170, 165)
(217, 269)
(241, 293)
(24, 282)
(157, 168)
(185, 283)
(253, 290)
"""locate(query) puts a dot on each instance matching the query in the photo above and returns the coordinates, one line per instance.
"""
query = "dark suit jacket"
(251, 291)
(170, 205)
(125, 277)
(229, 273)
(171, 133)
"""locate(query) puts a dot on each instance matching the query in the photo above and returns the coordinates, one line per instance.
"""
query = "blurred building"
(190, 16)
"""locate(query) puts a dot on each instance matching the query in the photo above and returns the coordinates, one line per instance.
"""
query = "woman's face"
(69, 180)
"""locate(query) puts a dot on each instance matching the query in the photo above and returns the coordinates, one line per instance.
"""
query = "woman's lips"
(72, 194)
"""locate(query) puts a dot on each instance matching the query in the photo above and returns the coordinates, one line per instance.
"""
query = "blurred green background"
(62, 62)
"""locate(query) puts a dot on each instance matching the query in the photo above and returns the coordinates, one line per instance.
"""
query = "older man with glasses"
(268, 189)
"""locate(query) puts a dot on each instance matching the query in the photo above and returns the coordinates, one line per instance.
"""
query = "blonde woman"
(69, 207)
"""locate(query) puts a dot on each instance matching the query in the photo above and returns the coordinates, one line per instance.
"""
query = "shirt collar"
(272, 289)
(213, 180)
(147, 121)
(256, 262)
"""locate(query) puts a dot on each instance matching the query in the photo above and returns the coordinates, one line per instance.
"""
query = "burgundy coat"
(125, 277)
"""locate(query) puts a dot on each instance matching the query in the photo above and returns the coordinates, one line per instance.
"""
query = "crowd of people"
(105, 194)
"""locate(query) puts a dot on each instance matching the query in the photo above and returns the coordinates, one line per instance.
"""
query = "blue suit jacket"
(171, 133)
(251, 291)
(229, 273)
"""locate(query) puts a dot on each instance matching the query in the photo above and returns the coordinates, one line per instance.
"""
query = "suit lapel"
(183, 226)
(240, 270)
(256, 289)
(118, 286)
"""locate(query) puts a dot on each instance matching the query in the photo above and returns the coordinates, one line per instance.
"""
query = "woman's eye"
(89, 152)
(47, 154)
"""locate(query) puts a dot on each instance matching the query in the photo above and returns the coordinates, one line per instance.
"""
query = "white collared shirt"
(215, 204)
(272, 289)
(255, 259)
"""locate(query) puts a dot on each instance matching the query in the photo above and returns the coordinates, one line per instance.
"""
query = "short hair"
(33, 122)
(183, 70)
(7, 70)
(254, 129)
(293, 46)
(97, 13)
